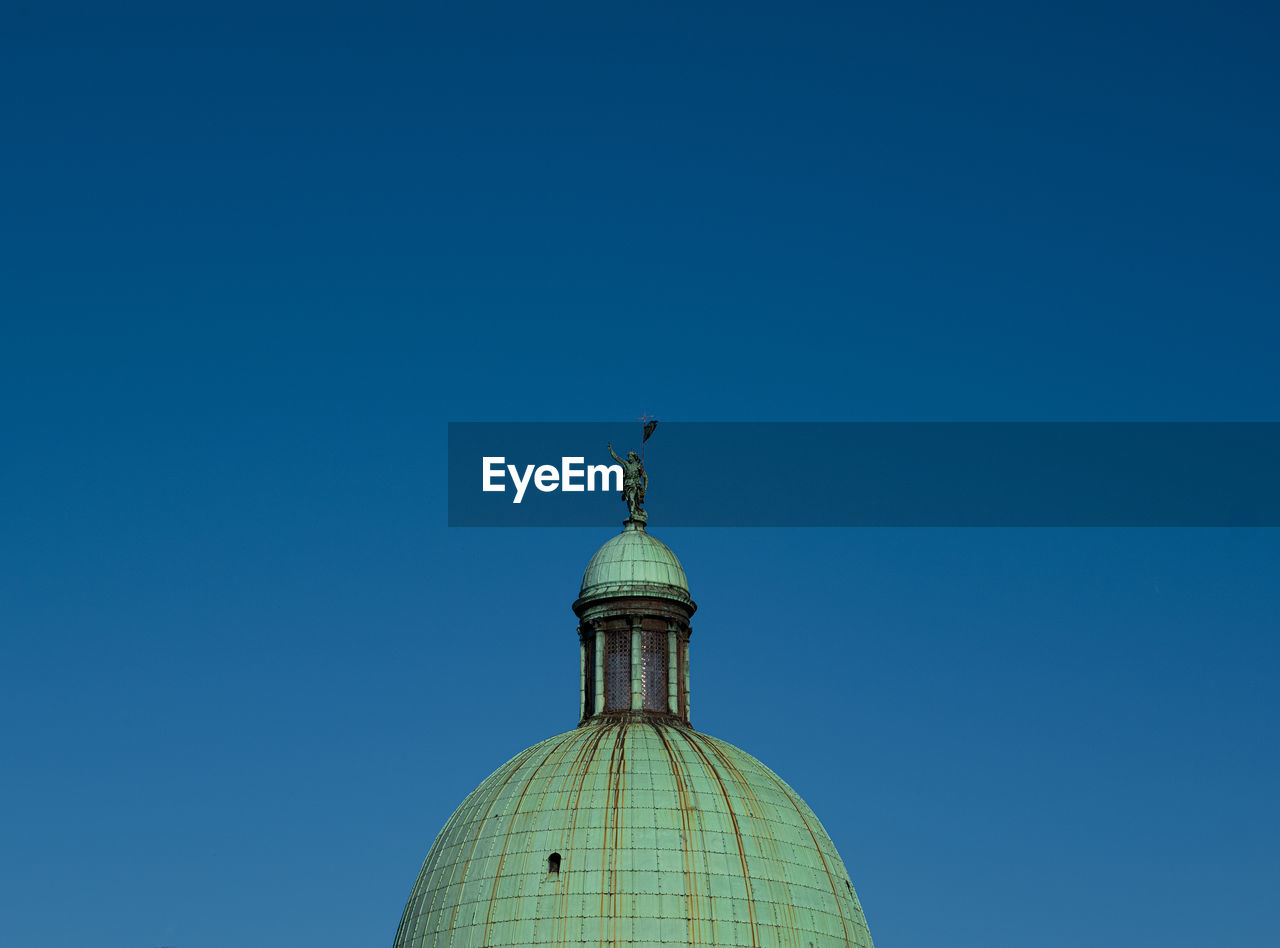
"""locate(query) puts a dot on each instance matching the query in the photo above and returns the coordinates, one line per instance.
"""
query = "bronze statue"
(634, 484)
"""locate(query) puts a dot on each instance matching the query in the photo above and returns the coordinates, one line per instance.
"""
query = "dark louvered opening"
(617, 671)
(653, 657)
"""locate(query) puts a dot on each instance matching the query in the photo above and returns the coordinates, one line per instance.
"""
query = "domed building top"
(634, 564)
(633, 833)
(634, 828)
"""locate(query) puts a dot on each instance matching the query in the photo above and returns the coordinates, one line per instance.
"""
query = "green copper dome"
(634, 564)
(633, 831)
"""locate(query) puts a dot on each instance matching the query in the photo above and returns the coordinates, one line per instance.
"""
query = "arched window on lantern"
(617, 670)
(654, 660)
(589, 675)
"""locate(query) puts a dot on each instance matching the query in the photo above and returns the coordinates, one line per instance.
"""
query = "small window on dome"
(553, 862)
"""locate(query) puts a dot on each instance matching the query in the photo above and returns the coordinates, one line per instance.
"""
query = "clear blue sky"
(253, 260)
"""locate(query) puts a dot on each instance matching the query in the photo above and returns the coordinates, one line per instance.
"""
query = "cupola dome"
(634, 564)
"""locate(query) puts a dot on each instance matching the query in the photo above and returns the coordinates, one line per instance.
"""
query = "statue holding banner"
(634, 484)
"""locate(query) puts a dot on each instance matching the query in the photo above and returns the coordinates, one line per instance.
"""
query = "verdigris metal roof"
(634, 564)
(665, 836)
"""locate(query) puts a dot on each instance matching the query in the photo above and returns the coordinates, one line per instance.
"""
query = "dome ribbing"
(663, 836)
(634, 564)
